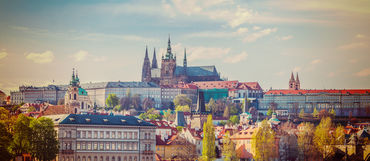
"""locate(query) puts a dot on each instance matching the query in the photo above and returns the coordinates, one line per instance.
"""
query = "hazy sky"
(326, 41)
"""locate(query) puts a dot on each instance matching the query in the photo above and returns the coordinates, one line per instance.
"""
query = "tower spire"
(292, 77)
(154, 61)
(146, 52)
(297, 79)
(169, 50)
(185, 61)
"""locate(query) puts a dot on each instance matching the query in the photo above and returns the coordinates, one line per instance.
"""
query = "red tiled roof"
(161, 124)
(54, 110)
(181, 85)
(159, 141)
(242, 153)
(249, 85)
(216, 84)
(308, 91)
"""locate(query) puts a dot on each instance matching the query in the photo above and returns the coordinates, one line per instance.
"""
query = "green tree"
(148, 103)
(339, 135)
(323, 139)
(211, 106)
(44, 143)
(150, 114)
(135, 101)
(31, 109)
(307, 149)
(301, 114)
(5, 140)
(315, 112)
(222, 123)
(228, 150)
(263, 142)
(179, 128)
(184, 108)
(167, 114)
(209, 148)
(112, 100)
(117, 108)
(234, 119)
(269, 112)
(22, 135)
(182, 100)
(227, 112)
(332, 112)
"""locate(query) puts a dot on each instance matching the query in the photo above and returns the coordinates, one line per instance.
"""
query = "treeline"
(25, 135)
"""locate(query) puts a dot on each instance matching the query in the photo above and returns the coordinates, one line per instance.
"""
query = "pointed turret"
(154, 61)
(297, 83)
(292, 83)
(185, 61)
(146, 71)
(169, 54)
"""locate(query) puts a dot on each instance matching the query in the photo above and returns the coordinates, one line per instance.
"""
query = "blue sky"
(326, 41)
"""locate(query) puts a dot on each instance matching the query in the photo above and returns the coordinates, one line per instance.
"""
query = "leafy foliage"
(5, 141)
(269, 112)
(234, 120)
(323, 139)
(228, 150)
(227, 112)
(22, 135)
(44, 145)
(112, 100)
(315, 112)
(184, 108)
(209, 148)
(211, 106)
(263, 142)
(150, 114)
(182, 100)
(307, 149)
(148, 103)
(301, 113)
(179, 128)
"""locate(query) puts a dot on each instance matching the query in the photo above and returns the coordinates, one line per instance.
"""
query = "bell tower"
(168, 67)
(292, 83)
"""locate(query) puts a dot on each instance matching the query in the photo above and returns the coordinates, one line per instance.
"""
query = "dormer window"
(123, 120)
(105, 120)
(88, 120)
(72, 119)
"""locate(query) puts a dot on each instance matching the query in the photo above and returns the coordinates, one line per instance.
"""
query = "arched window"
(74, 96)
(78, 158)
(82, 105)
(95, 158)
(113, 159)
(107, 159)
(119, 158)
(101, 158)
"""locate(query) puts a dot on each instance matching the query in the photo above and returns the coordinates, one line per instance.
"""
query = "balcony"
(67, 151)
(148, 152)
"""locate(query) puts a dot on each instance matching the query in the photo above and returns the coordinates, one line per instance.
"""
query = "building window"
(83, 146)
(101, 146)
(74, 96)
(107, 146)
(78, 146)
(125, 135)
(107, 134)
(113, 134)
(89, 134)
(119, 135)
(119, 146)
(135, 135)
(95, 146)
(101, 134)
(95, 134)
(113, 146)
(83, 134)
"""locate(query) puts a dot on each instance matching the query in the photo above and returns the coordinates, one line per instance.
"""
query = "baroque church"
(76, 100)
(170, 73)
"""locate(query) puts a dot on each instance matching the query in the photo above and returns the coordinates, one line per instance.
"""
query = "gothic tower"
(185, 64)
(292, 84)
(154, 61)
(146, 71)
(297, 83)
(168, 67)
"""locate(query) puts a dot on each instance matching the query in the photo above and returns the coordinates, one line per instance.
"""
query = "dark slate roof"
(119, 85)
(104, 120)
(197, 71)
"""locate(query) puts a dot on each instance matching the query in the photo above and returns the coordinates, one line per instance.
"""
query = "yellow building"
(175, 148)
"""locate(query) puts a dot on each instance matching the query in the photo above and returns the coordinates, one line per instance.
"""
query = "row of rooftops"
(85, 119)
(309, 91)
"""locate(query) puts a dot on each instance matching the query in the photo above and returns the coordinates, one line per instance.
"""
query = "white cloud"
(3, 54)
(207, 53)
(242, 30)
(80, 55)
(253, 37)
(363, 73)
(316, 61)
(236, 58)
(354, 45)
(256, 27)
(41, 58)
(288, 37)
(99, 58)
(281, 73)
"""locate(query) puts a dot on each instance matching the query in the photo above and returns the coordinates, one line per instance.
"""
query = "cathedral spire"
(185, 61)
(297, 79)
(154, 61)
(146, 71)
(169, 54)
(146, 52)
(292, 77)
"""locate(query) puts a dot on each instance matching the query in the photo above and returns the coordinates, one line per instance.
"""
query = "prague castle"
(170, 73)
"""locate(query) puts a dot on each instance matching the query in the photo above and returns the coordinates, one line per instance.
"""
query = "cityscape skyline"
(327, 44)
